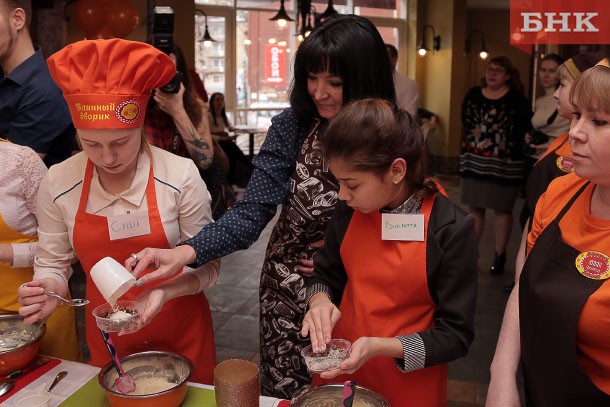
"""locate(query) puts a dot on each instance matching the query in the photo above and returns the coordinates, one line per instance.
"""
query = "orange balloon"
(122, 17)
(105, 32)
(90, 15)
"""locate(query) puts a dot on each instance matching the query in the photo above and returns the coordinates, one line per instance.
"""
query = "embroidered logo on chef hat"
(107, 83)
(593, 265)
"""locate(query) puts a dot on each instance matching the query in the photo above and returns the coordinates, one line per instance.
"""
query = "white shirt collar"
(99, 198)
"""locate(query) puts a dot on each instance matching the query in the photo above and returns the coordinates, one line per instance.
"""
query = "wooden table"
(80, 388)
(251, 132)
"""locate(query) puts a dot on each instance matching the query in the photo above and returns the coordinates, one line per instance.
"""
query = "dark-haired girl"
(239, 166)
(397, 274)
(343, 59)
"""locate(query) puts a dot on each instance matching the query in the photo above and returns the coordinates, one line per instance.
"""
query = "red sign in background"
(275, 57)
(559, 22)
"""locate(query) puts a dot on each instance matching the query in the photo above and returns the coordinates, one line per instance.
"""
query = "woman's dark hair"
(558, 59)
(370, 134)
(191, 100)
(350, 47)
(223, 112)
(514, 79)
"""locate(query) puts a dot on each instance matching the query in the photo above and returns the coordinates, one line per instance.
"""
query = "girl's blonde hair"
(591, 90)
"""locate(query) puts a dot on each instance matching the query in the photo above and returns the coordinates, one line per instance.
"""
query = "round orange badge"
(565, 163)
(593, 265)
(128, 111)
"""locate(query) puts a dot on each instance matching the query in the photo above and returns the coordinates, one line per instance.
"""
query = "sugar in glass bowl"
(336, 352)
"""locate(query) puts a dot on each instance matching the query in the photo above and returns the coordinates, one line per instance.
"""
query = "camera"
(163, 40)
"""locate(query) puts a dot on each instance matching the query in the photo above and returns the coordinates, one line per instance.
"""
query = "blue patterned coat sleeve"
(269, 186)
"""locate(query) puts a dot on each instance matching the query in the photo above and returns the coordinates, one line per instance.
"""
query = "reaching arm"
(198, 140)
(503, 390)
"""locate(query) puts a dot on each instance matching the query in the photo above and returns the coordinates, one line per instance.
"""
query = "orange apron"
(60, 341)
(387, 295)
(184, 324)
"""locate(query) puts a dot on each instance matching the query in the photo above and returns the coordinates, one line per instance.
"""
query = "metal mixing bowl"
(150, 363)
(21, 356)
(332, 395)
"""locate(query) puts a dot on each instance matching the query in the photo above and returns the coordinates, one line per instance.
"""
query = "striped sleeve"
(413, 351)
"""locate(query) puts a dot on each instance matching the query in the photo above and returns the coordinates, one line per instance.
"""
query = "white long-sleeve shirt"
(182, 198)
(22, 172)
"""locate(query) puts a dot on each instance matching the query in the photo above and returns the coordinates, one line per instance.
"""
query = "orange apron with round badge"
(60, 340)
(387, 295)
(552, 293)
(184, 324)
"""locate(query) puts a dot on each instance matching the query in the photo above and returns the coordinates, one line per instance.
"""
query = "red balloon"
(122, 17)
(90, 15)
(104, 33)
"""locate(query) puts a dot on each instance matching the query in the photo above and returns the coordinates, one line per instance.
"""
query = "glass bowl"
(336, 352)
(124, 316)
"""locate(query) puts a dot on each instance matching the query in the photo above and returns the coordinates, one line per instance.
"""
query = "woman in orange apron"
(19, 180)
(556, 320)
(398, 271)
(119, 196)
(557, 159)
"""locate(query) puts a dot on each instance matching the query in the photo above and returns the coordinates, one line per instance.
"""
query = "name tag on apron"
(128, 225)
(405, 227)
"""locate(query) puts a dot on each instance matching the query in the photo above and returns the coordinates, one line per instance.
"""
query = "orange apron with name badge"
(60, 340)
(387, 295)
(184, 324)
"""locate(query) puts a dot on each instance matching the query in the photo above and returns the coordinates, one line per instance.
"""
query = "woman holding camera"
(176, 121)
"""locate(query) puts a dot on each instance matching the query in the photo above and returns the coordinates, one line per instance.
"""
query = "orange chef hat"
(107, 83)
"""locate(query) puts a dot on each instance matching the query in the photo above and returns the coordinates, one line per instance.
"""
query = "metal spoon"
(6, 386)
(75, 302)
(57, 379)
(8, 383)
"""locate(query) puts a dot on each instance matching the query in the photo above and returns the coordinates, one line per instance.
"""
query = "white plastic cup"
(33, 398)
(112, 279)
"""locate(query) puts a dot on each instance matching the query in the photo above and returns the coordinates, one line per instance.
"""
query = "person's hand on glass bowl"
(320, 321)
(166, 262)
(35, 304)
(152, 302)
(362, 350)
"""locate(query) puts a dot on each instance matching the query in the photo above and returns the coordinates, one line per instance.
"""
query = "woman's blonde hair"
(591, 90)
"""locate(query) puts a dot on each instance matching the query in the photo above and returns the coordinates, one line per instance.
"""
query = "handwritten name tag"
(128, 225)
(405, 227)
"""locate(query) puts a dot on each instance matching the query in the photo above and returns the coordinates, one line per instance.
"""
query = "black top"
(494, 131)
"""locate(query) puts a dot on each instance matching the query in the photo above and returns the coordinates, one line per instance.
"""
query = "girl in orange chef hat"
(119, 179)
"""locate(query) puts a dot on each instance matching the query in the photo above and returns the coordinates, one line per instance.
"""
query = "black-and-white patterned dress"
(303, 220)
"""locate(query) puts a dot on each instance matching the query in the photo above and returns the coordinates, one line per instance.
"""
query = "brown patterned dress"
(303, 220)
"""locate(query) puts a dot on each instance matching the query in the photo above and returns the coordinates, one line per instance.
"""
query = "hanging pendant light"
(329, 12)
(282, 16)
(207, 38)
